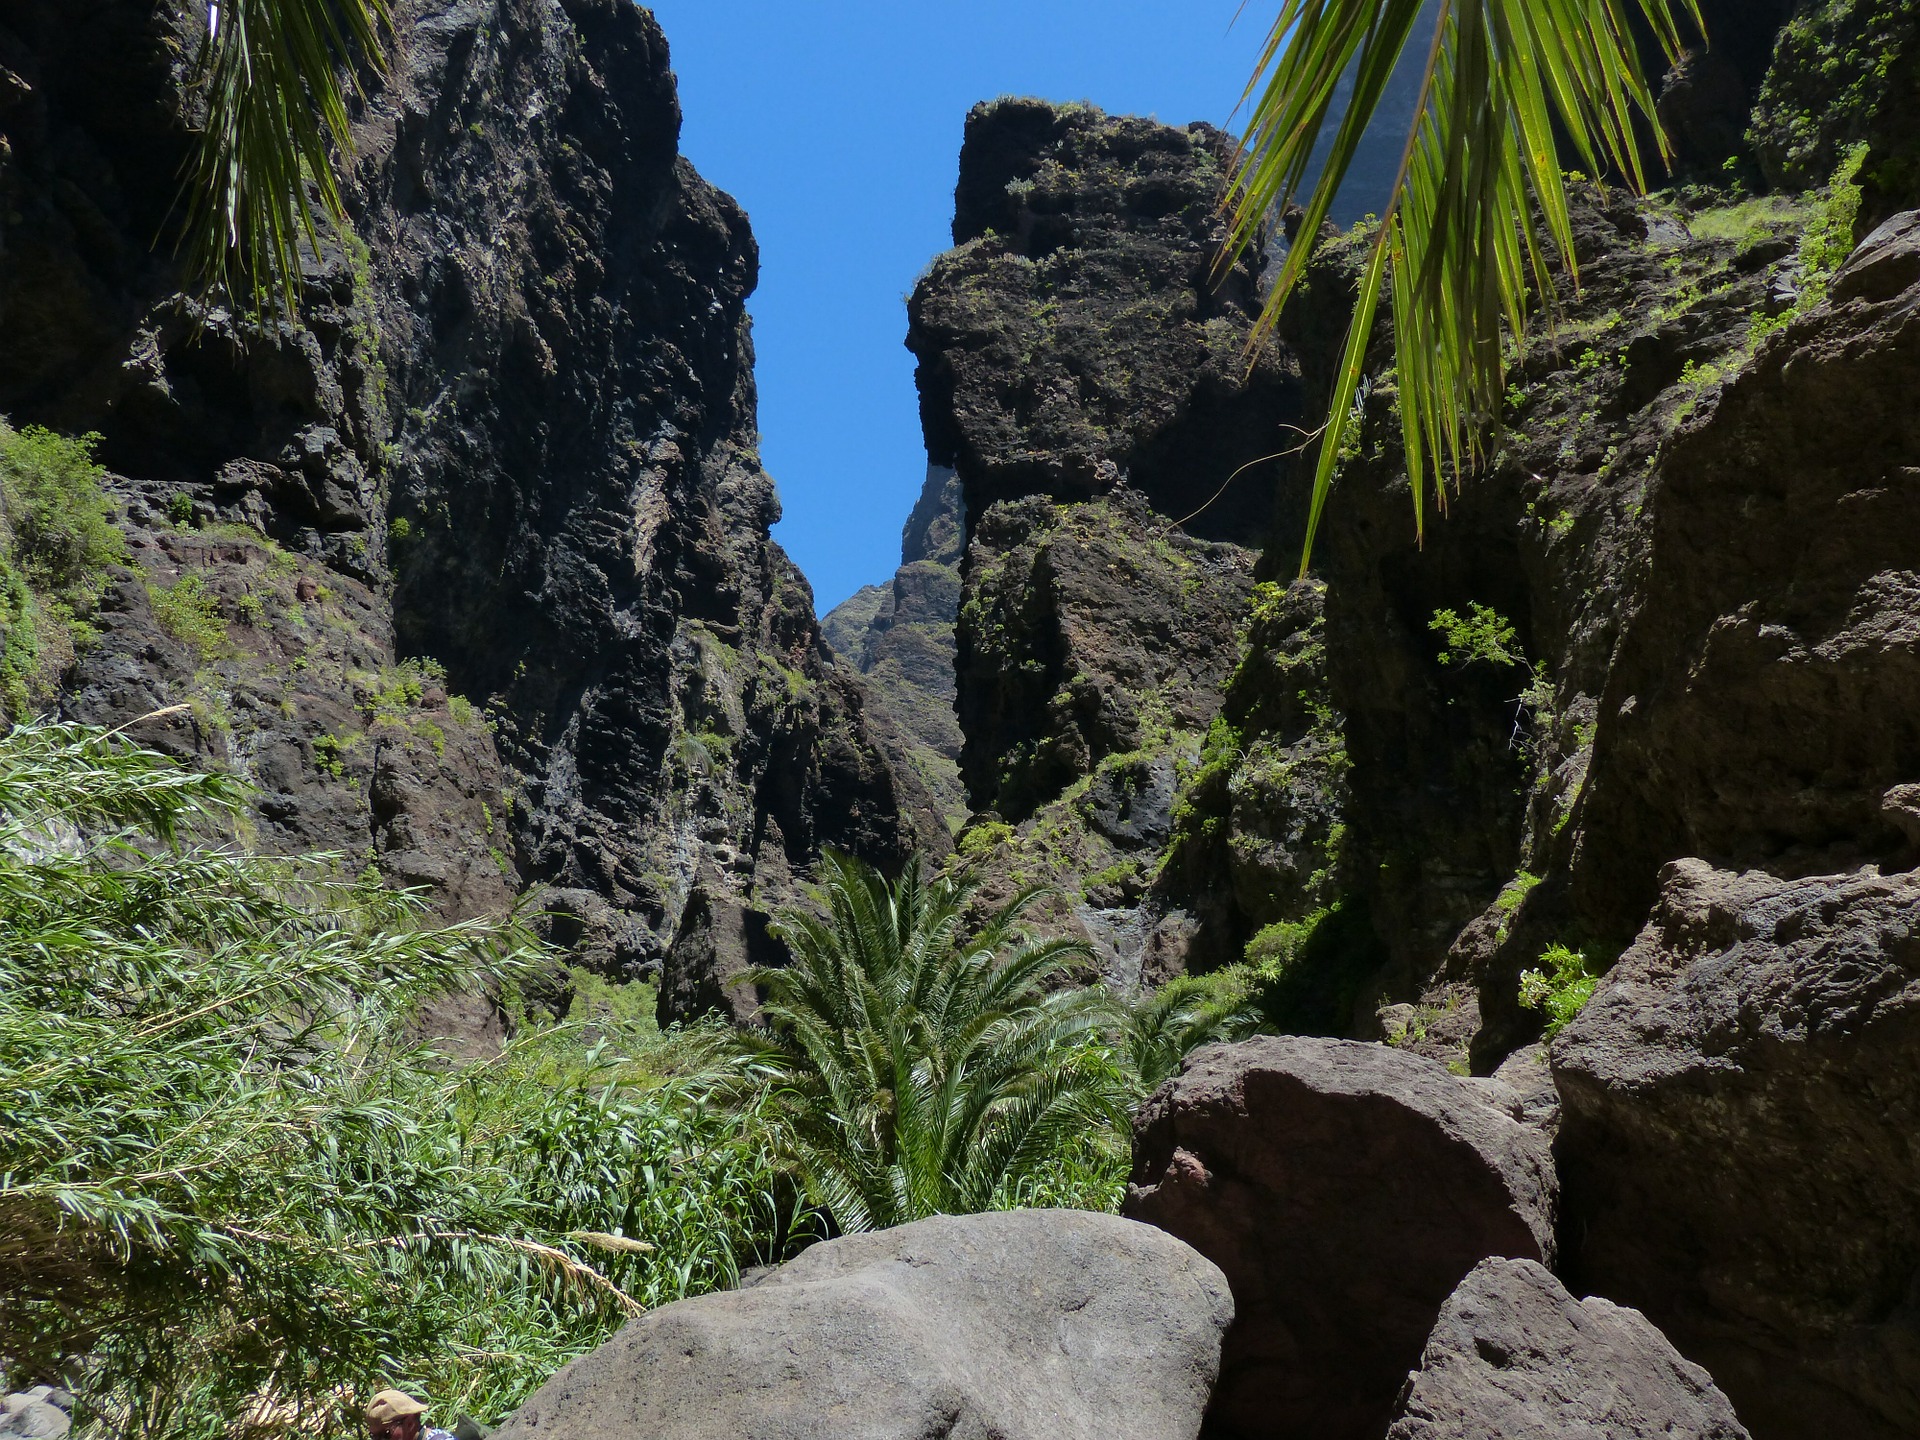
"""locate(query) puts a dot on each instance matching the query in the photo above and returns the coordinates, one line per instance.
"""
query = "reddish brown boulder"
(1345, 1189)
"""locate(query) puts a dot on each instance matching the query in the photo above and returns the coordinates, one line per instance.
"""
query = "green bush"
(227, 1176)
(57, 544)
(1484, 636)
(58, 516)
(1276, 946)
(1561, 989)
(190, 612)
(1827, 242)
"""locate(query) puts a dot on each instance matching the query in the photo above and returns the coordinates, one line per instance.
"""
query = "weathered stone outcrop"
(1766, 694)
(513, 431)
(1515, 1357)
(900, 636)
(1082, 333)
(1464, 670)
(1737, 1142)
(1029, 1325)
(1344, 1189)
(1844, 74)
(1084, 367)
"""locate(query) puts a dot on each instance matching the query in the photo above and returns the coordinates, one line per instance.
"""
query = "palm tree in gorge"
(915, 1072)
(1459, 251)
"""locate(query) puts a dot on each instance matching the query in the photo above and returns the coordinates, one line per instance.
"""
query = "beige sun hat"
(390, 1405)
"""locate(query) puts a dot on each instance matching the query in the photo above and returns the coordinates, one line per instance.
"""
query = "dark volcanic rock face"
(1737, 1142)
(1345, 1189)
(1846, 73)
(1089, 631)
(519, 411)
(1084, 367)
(1082, 333)
(1767, 694)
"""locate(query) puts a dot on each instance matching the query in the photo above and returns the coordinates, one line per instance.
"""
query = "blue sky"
(837, 124)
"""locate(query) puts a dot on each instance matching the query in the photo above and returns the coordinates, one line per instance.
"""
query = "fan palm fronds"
(1164, 1026)
(1459, 252)
(274, 77)
(914, 1072)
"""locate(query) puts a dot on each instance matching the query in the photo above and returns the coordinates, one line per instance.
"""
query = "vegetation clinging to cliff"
(57, 543)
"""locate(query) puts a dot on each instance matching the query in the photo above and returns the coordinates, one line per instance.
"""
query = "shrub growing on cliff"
(56, 513)
(1562, 988)
(226, 1177)
(913, 1072)
(57, 543)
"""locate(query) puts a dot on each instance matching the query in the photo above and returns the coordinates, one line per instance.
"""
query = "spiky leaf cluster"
(1460, 250)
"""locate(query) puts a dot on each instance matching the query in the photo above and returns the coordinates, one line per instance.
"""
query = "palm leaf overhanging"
(1459, 250)
(275, 76)
(914, 1072)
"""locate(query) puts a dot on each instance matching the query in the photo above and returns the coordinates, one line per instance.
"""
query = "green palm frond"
(915, 1073)
(1459, 253)
(274, 77)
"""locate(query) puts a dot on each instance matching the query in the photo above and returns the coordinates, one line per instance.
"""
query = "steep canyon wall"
(512, 434)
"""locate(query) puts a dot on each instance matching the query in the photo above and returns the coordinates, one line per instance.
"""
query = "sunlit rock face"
(517, 418)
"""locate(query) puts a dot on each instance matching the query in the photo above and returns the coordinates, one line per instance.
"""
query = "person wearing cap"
(396, 1415)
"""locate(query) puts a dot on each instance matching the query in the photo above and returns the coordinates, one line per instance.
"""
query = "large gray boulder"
(36, 1414)
(1028, 1325)
(1515, 1357)
(1738, 1143)
(1345, 1189)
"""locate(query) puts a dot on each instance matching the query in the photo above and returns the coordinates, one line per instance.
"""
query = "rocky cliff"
(1084, 369)
(507, 453)
(901, 637)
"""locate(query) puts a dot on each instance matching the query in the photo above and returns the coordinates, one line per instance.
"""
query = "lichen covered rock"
(1029, 1325)
(1513, 1356)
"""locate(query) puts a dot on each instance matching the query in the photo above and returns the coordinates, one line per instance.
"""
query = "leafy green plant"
(984, 838)
(190, 612)
(56, 511)
(1162, 1027)
(227, 1176)
(912, 1072)
(1276, 946)
(1828, 239)
(1458, 254)
(1484, 637)
(57, 545)
(1561, 988)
